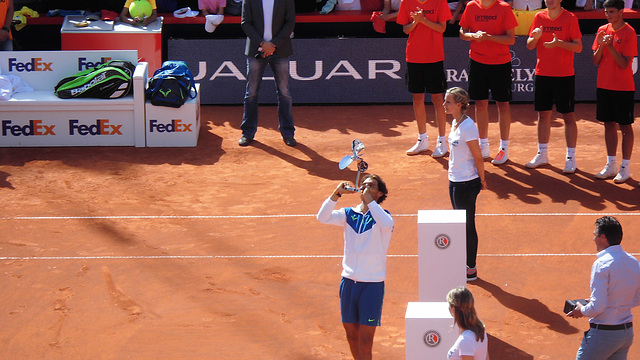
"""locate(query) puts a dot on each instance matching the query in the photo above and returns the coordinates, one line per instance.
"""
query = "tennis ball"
(140, 9)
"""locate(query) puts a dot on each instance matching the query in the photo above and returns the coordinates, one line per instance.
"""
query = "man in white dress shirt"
(615, 290)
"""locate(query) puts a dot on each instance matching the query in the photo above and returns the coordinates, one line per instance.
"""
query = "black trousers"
(463, 197)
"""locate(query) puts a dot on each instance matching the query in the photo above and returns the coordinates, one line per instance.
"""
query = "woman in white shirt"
(472, 341)
(466, 168)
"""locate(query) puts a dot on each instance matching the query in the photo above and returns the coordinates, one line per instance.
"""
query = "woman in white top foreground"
(472, 342)
(466, 168)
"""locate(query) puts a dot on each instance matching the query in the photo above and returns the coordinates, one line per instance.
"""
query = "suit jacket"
(284, 19)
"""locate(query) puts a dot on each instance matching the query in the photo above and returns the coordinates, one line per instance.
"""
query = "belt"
(611, 327)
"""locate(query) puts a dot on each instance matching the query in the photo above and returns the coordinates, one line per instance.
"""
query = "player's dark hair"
(618, 4)
(464, 311)
(611, 228)
(382, 186)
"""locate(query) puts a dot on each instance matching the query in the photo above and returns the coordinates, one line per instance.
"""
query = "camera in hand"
(569, 305)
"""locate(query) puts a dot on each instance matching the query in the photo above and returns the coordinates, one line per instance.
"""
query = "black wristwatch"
(6, 29)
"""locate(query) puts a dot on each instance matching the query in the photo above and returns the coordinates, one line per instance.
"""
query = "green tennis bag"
(110, 80)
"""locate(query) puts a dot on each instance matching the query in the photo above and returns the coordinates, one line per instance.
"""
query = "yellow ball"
(140, 9)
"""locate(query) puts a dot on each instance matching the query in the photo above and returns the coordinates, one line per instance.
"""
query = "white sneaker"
(570, 166)
(484, 149)
(538, 160)
(420, 146)
(608, 171)
(623, 175)
(440, 150)
(501, 158)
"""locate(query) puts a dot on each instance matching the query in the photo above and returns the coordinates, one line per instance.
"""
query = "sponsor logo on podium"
(442, 241)
(432, 338)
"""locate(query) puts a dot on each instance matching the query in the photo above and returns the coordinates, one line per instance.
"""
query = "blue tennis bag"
(171, 85)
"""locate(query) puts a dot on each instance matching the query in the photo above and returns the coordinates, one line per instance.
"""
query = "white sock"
(611, 160)
(571, 153)
(625, 163)
(543, 148)
(423, 136)
(484, 141)
(442, 139)
(504, 145)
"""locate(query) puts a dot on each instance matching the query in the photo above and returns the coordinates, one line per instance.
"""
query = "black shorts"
(426, 78)
(549, 90)
(495, 78)
(614, 106)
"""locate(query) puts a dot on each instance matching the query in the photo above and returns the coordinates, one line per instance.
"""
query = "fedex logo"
(36, 64)
(34, 128)
(83, 64)
(173, 126)
(101, 127)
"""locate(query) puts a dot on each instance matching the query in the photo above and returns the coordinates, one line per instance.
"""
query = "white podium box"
(430, 330)
(173, 127)
(442, 249)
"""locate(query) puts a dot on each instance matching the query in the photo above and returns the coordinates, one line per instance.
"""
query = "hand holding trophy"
(356, 148)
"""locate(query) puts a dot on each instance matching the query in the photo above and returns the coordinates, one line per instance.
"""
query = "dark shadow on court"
(591, 193)
(94, 157)
(531, 308)
(314, 163)
(499, 349)
(347, 119)
(4, 182)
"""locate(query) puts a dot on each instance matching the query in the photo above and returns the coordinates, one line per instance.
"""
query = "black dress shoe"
(245, 141)
(290, 141)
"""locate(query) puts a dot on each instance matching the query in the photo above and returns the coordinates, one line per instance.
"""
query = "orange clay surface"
(214, 252)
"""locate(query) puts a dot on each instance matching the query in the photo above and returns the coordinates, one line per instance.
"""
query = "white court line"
(152, 217)
(159, 217)
(209, 257)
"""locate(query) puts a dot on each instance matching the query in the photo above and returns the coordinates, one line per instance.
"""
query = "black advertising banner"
(356, 70)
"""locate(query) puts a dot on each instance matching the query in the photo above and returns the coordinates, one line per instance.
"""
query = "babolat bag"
(171, 85)
(110, 80)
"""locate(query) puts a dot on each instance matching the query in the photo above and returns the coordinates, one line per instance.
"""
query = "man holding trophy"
(367, 234)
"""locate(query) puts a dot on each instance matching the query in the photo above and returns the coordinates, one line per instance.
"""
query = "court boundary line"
(209, 257)
(195, 217)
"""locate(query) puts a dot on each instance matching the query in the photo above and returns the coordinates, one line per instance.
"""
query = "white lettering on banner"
(522, 74)
(293, 69)
(202, 70)
(521, 78)
(351, 71)
(373, 68)
(234, 72)
(343, 68)
(520, 87)
(452, 75)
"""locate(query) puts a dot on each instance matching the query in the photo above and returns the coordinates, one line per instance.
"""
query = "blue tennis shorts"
(361, 302)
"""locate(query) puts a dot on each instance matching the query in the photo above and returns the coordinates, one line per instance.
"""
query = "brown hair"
(464, 311)
(459, 96)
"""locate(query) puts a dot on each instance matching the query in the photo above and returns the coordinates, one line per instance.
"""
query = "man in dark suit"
(268, 25)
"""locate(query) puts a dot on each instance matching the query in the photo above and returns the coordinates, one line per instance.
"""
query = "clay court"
(214, 252)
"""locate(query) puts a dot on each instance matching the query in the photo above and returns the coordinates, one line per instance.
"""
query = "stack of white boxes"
(430, 330)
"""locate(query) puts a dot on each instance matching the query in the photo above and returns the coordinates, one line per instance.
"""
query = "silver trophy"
(356, 148)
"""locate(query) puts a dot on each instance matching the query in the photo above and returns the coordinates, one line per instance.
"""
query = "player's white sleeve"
(327, 214)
